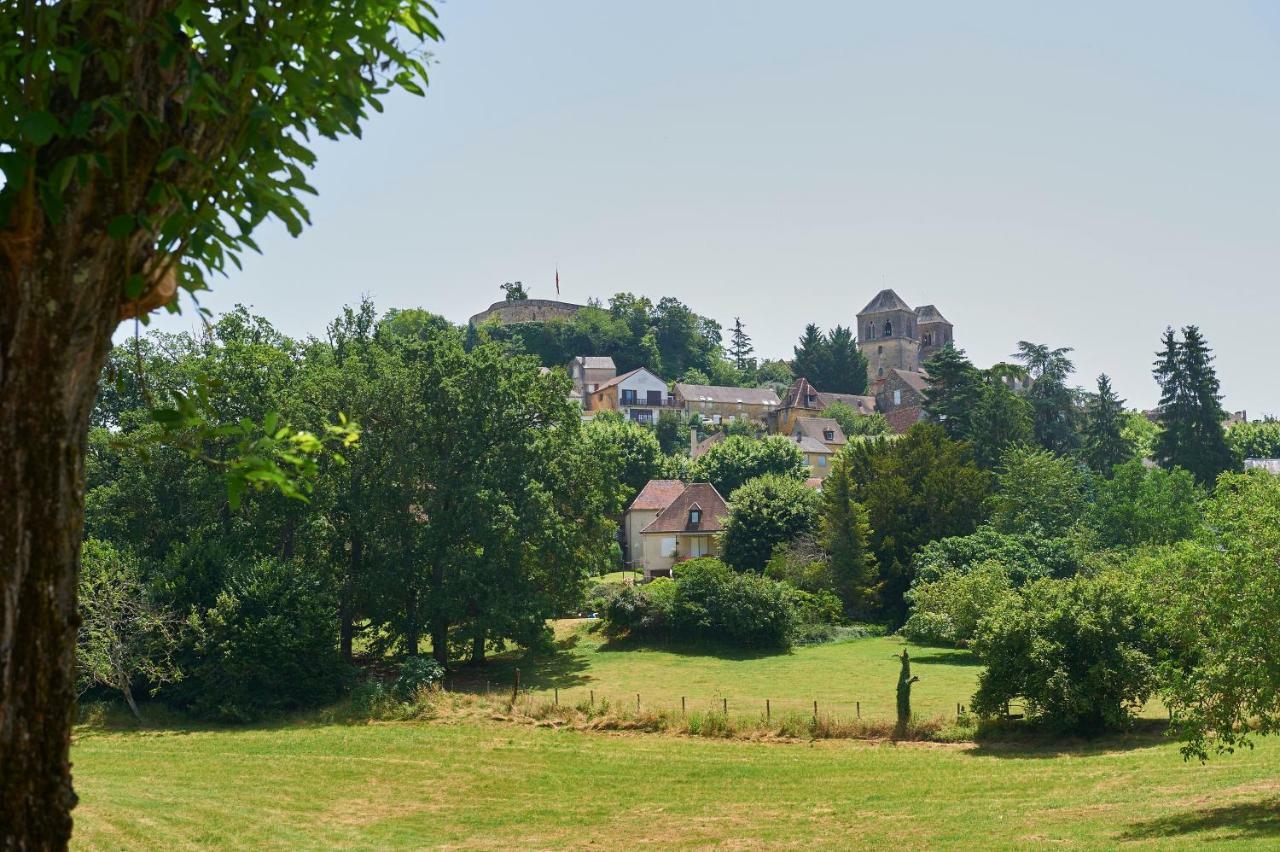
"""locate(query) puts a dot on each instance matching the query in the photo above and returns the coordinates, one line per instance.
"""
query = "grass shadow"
(1241, 821)
(956, 658)
(1021, 741)
(691, 648)
(558, 668)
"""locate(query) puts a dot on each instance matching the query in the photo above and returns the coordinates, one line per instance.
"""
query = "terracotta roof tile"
(658, 494)
(675, 518)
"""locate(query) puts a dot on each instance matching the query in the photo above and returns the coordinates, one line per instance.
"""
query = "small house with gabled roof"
(689, 527)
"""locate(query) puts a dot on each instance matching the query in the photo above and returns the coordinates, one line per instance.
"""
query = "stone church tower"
(893, 335)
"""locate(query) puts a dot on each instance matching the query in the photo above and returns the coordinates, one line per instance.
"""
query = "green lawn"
(479, 784)
(838, 676)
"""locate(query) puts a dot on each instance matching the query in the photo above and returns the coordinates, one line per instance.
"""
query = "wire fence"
(870, 708)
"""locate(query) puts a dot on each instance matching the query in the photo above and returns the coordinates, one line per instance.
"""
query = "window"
(888, 328)
(828, 434)
(871, 332)
(897, 397)
(695, 517)
(822, 461)
(642, 415)
(927, 339)
(880, 372)
(628, 396)
(699, 546)
(669, 546)
(653, 397)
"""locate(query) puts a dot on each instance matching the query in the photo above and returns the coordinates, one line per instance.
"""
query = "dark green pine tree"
(811, 356)
(740, 348)
(1000, 419)
(1210, 454)
(1191, 412)
(1105, 445)
(954, 389)
(1173, 402)
(846, 366)
(845, 532)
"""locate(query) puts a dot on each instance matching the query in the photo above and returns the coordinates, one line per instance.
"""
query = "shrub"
(1140, 506)
(1037, 490)
(708, 600)
(947, 610)
(764, 513)
(736, 459)
(1079, 653)
(267, 646)
(802, 563)
(640, 610)
(1027, 557)
(417, 673)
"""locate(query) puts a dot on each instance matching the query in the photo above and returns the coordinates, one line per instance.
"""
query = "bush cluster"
(708, 600)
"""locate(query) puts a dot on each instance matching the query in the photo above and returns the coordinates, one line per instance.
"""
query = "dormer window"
(695, 516)
(828, 435)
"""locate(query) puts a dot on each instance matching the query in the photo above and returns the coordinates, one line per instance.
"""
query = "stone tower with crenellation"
(893, 335)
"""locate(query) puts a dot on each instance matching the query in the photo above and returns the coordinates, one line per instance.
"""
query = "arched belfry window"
(888, 328)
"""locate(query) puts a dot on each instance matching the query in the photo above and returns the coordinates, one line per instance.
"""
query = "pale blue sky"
(1081, 175)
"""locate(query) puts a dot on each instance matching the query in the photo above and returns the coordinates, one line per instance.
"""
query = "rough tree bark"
(59, 302)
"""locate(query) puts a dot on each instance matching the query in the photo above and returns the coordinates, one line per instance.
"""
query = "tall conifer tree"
(740, 348)
(810, 355)
(1190, 408)
(954, 389)
(845, 532)
(1105, 443)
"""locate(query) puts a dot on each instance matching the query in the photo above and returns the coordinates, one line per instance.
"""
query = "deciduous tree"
(140, 143)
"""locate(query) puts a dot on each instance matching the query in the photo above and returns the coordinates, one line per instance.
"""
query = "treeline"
(472, 509)
(677, 344)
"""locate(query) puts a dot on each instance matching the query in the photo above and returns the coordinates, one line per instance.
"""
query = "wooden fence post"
(858, 708)
(726, 706)
(815, 712)
(593, 698)
(637, 702)
(515, 689)
(681, 705)
(768, 713)
(557, 696)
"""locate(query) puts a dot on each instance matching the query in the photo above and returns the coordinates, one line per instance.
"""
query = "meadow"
(844, 677)
(482, 784)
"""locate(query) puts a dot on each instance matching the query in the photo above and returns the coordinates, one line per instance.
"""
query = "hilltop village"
(670, 520)
(894, 339)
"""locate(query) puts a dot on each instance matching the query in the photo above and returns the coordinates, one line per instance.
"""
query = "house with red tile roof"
(656, 495)
(687, 528)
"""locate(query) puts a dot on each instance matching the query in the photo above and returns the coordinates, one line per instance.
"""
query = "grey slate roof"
(928, 314)
(812, 445)
(813, 427)
(885, 300)
(917, 381)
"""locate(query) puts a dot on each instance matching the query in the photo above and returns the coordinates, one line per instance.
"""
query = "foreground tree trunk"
(57, 311)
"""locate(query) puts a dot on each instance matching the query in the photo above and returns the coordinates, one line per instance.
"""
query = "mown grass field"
(480, 784)
(839, 676)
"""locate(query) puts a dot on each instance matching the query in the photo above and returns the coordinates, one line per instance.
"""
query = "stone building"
(506, 311)
(894, 335)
